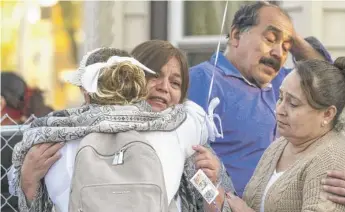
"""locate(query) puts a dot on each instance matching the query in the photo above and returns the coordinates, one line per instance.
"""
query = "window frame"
(194, 43)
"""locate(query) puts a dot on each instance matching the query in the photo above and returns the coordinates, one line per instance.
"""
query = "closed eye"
(270, 40)
(293, 105)
(176, 84)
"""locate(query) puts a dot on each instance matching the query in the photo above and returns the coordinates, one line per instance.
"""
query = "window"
(194, 26)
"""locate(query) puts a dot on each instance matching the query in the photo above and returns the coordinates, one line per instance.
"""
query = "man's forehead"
(272, 16)
(285, 34)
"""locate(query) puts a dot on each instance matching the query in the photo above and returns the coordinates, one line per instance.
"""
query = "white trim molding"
(191, 44)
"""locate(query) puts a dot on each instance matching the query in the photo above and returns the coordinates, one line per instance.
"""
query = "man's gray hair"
(248, 15)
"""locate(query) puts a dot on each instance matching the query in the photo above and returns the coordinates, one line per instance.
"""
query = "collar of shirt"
(229, 69)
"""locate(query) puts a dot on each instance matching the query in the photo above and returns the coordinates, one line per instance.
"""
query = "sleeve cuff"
(24, 204)
(226, 206)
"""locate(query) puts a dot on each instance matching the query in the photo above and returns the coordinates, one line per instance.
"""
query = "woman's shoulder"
(193, 108)
(196, 116)
(330, 154)
(277, 145)
(334, 147)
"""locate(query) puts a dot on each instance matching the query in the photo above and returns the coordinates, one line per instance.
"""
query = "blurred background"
(41, 40)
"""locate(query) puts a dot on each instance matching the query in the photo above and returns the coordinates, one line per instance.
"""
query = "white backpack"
(117, 172)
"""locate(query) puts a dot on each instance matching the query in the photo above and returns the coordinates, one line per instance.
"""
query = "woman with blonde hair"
(115, 87)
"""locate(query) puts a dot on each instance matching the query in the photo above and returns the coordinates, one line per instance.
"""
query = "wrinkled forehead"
(274, 18)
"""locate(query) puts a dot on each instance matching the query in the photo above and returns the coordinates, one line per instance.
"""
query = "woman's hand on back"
(36, 165)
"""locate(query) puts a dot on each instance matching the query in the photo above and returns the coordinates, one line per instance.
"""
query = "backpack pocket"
(121, 197)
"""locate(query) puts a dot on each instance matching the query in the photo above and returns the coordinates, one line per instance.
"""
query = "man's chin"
(264, 83)
(269, 77)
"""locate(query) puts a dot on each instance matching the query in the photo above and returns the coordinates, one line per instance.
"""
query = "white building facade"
(195, 26)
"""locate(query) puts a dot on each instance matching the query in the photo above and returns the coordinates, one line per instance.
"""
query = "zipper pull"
(118, 158)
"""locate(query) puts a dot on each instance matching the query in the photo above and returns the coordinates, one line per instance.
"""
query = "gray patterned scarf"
(71, 124)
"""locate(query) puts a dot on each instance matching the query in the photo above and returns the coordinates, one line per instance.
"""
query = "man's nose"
(278, 52)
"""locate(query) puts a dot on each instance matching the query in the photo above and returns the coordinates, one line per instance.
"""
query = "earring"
(324, 123)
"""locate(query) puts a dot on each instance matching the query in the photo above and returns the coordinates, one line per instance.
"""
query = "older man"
(260, 38)
(317, 46)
